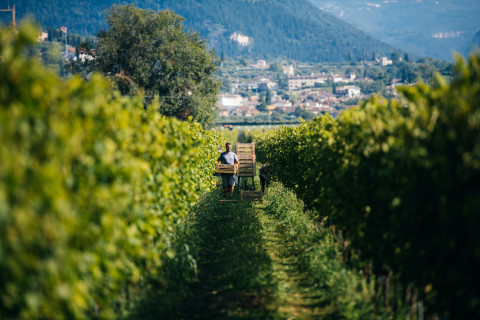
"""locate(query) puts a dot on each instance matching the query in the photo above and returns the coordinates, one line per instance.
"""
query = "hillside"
(475, 45)
(427, 28)
(275, 28)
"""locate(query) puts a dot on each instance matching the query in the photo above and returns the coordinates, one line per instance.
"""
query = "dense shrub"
(91, 187)
(400, 178)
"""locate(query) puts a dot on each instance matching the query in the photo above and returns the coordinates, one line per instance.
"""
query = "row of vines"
(401, 179)
(92, 185)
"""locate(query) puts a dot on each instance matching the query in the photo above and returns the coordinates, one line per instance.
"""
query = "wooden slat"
(226, 168)
(245, 174)
(225, 171)
(243, 156)
(246, 165)
(247, 162)
(243, 169)
(239, 144)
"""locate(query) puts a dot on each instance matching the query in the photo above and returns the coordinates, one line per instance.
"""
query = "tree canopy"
(150, 51)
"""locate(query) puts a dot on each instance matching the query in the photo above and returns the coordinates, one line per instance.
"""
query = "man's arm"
(219, 160)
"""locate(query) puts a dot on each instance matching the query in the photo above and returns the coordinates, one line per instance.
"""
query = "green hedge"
(91, 188)
(401, 178)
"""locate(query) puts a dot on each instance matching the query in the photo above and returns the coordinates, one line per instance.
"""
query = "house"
(337, 78)
(70, 53)
(230, 101)
(262, 79)
(84, 55)
(384, 61)
(246, 86)
(242, 40)
(326, 97)
(299, 82)
(245, 111)
(264, 86)
(348, 91)
(287, 109)
(327, 108)
(289, 71)
(261, 64)
(397, 82)
(222, 110)
(42, 36)
(283, 103)
(271, 107)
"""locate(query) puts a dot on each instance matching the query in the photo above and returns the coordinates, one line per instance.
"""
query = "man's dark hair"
(228, 143)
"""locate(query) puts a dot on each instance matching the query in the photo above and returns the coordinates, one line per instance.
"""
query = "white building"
(289, 71)
(242, 40)
(230, 101)
(385, 62)
(299, 82)
(348, 91)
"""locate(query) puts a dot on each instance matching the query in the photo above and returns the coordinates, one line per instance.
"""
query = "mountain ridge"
(290, 29)
(423, 27)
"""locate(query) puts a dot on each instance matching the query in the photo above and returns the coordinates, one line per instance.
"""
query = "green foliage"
(150, 51)
(344, 292)
(229, 274)
(304, 114)
(400, 178)
(51, 55)
(91, 188)
(268, 97)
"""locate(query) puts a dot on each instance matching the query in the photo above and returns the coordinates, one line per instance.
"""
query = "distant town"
(257, 92)
(261, 93)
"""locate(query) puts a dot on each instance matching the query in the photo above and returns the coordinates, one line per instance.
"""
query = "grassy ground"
(257, 261)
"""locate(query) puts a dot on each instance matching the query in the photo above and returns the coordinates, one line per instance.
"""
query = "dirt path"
(297, 296)
(259, 261)
(247, 269)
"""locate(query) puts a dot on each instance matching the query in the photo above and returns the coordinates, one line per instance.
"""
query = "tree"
(150, 51)
(395, 56)
(304, 114)
(404, 74)
(276, 67)
(262, 107)
(268, 98)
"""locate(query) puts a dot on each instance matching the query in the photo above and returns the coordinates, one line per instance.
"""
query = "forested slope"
(291, 29)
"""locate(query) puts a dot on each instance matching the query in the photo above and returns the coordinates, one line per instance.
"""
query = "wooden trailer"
(247, 167)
